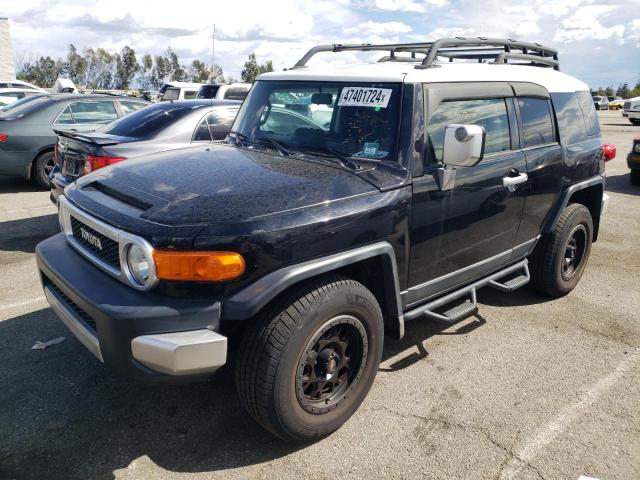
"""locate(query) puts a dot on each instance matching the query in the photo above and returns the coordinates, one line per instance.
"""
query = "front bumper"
(143, 335)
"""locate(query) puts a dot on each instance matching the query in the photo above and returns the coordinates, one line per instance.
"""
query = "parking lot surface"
(530, 388)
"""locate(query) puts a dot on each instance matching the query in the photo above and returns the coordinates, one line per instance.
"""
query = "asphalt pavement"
(531, 388)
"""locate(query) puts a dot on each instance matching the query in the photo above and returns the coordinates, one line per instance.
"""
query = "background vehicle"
(156, 128)
(178, 91)
(233, 91)
(11, 95)
(19, 84)
(615, 103)
(632, 110)
(601, 102)
(633, 162)
(304, 244)
(27, 138)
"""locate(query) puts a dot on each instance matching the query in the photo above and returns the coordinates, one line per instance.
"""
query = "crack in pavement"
(510, 454)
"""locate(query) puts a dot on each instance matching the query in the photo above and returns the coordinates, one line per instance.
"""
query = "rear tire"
(42, 166)
(635, 121)
(307, 362)
(634, 177)
(559, 260)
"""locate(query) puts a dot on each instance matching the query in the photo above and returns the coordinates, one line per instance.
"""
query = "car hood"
(214, 184)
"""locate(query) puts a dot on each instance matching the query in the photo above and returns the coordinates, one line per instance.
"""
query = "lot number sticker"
(364, 97)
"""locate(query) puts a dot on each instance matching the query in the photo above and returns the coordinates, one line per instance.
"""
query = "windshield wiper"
(330, 153)
(244, 140)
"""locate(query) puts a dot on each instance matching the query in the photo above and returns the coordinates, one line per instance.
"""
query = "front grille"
(627, 105)
(84, 316)
(104, 248)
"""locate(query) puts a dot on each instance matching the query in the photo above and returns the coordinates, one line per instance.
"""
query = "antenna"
(213, 53)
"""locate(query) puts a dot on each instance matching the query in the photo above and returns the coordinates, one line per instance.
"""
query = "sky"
(598, 41)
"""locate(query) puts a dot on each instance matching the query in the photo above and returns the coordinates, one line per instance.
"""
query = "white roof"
(552, 80)
(184, 84)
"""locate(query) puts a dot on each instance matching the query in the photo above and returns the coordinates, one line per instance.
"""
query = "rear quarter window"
(537, 121)
(571, 122)
(589, 112)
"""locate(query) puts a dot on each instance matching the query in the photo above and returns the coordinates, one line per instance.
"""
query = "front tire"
(559, 260)
(634, 177)
(308, 361)
(42, 166)
(635, 121)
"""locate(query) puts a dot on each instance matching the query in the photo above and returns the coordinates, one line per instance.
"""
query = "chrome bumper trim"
(181, 353)
(73, 323)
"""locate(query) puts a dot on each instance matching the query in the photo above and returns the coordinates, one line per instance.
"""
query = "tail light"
(609, 151)
(93, 163)
(3, 137)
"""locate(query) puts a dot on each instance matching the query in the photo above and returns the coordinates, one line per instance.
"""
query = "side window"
(490, 114)
(235, 94)
(202, 133)
(220, 122)
(65, 117)
(189, 94)
(589, 112)
(537, 122)
(130, 107)
(94, 112)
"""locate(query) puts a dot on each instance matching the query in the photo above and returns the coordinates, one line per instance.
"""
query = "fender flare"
(566, 196)
(249, 301)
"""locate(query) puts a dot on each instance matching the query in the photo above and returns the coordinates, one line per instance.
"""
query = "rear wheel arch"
(41, 151)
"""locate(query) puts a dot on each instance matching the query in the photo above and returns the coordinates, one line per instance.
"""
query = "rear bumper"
(142, 335)
(58, 182)
(633, 161)
(605, 204)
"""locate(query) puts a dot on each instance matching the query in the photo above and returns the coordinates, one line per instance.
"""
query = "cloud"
(378, 28)
(585, 24)
(400, 5)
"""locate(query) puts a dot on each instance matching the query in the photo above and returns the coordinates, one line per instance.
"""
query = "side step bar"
(470, 307)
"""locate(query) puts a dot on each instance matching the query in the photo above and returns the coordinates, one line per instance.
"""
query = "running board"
(470, 307)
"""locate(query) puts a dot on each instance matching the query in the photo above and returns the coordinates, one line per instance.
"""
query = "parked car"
(19, 84)
(233, 91)
(12, 95)
(601, 103)
(296, 250)
(633, 162)
(27, 138)
(159, 127)
(178, 91)
(631, 110)
(615, 103)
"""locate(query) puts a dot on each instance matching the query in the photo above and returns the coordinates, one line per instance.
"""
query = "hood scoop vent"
(122, 193)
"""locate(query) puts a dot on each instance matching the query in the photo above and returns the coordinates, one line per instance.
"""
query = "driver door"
(463, 233)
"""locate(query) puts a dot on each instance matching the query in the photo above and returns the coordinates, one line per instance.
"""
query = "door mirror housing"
(463, 145)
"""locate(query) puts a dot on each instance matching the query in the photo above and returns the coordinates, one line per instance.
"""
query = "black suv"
(344, 203)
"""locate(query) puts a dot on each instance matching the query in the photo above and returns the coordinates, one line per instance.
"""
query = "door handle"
(516, 180)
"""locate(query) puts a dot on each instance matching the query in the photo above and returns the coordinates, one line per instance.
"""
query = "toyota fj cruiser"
(345, 202)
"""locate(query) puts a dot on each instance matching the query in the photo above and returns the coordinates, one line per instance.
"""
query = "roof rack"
(501, 50)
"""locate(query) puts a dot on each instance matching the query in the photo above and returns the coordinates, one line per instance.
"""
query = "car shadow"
(17, 185)
(621, 183)
(24, 234)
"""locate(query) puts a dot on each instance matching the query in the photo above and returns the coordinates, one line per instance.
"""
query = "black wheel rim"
(574, 252)
(331, 364)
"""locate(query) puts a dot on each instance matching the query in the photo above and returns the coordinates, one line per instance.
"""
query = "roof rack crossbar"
(479, 48)
(534, 59)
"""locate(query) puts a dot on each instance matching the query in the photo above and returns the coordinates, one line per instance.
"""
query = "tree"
(177, 72)
(199, 72)
(608, 92)
(623, 90)
(252, 69)
(126, 67)
(76, 65)
(636, 91)
(160, 71)
(146, 72)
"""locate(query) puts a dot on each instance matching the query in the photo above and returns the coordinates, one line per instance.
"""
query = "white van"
(178, 91)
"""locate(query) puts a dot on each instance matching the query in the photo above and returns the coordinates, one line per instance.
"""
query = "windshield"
(148, 121)
(208, 91)
(352, 119)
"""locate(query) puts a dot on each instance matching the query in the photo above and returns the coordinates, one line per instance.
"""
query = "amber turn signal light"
(198, 266)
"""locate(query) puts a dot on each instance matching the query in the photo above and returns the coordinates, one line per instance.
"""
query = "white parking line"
(21, 304)
(549, 432)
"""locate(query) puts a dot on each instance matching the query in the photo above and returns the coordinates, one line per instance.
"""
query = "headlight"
(139, 263)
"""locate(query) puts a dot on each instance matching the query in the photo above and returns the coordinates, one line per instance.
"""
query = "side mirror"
(463, 145)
